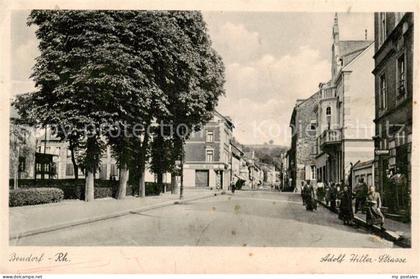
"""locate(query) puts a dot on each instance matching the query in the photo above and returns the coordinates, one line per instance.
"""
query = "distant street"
(244, 219)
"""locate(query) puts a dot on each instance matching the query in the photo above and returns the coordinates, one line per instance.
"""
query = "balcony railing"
(327, 93)
(330, 137)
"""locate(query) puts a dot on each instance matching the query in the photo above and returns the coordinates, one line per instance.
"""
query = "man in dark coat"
(333, 197)
(303, 192)
(361, 195)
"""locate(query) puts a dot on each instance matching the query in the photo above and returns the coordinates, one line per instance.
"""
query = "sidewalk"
(30, 220)
(397, 232)
(401, 229)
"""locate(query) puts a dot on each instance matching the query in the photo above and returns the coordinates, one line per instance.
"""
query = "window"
(209, 155)
(113, 170)
(69, 169)
(328, 111)
(382, 28)
(382, 92)
(313, 172)
(209, 136)
(401, 74)
(313, 125)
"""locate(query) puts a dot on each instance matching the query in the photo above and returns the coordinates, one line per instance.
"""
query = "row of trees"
(127, 68)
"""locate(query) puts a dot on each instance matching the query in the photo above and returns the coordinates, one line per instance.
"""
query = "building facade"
(393, 74)
(345, 110)
(364, 170)
(208, 155)
(302, 153)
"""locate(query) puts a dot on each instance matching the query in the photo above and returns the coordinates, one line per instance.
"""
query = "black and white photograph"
(211, 128)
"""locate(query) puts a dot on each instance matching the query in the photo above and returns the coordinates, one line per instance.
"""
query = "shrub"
(73, 189)
(32, 196)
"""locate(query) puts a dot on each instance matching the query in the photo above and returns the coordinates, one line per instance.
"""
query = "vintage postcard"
(209, 137)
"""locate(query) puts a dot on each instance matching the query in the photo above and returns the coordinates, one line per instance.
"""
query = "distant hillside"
(267, 153)
(266, 146)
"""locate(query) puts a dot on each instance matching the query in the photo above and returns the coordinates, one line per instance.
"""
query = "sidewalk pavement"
(397, 232)
(30, 220)
(400, 228)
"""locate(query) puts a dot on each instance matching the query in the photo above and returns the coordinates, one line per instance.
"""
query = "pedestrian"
(232, 185)
(327, 194)
(333, 197)
(374, 215)
(311, 203)
(346, 207)
(361, 195)
(303, 191)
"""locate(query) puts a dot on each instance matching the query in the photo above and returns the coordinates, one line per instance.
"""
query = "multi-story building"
(237, 158)
(22, 147)
(393, 101)
(345, 109)
(302, 153)
(208, 154)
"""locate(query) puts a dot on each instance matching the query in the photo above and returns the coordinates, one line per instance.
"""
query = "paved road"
(244, 219)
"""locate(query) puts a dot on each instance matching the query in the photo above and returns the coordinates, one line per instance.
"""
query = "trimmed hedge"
(32, 196)
(72, 188)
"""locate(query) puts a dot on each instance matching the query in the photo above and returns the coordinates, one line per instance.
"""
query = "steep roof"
(364, 164)
(351, 49)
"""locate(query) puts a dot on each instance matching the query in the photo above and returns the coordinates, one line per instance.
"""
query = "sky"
(271, 59)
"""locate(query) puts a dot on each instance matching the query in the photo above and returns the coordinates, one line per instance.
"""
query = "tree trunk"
(173, 183)
(90, 169)
(160, 181)
(16, 171)
(89, 185)
(142, 184)
(181, 186)
(122, 188)
(142, 166)
(75, 166)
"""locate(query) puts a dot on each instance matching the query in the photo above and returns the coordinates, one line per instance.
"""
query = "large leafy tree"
(126, 68)
(83, 77)
(192, 81)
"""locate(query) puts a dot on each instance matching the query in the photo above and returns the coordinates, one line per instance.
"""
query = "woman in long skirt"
(346, 209)
(311, 203)
(374, 215)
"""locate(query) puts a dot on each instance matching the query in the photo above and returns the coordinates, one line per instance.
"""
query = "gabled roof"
(351, 49)
(362, 165)
(359, 54)
(226, 118)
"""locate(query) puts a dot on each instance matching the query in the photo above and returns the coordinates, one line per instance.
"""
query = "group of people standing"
(309, 195)
(367, 200)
